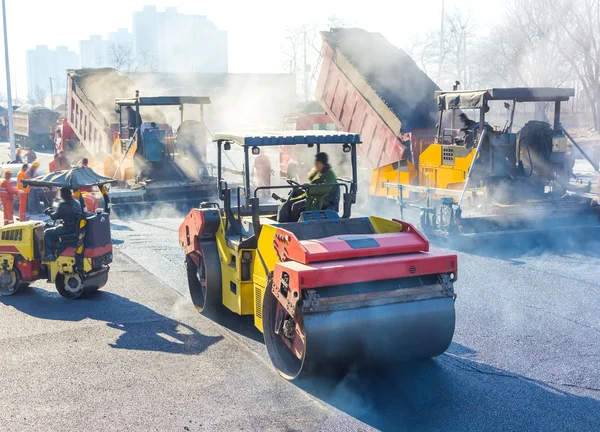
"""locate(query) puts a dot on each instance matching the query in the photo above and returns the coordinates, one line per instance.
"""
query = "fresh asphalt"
(137, 356)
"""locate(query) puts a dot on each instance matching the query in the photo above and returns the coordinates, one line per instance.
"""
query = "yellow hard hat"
(7, 172)
(35, 164)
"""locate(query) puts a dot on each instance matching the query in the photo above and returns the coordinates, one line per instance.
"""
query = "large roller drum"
(361, 329)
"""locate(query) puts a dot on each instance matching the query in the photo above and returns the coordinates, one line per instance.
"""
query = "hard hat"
(35, 164)
(7, 172)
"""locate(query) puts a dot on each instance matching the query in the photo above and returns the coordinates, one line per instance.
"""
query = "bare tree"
(119, 56)
(302, 51)
(580, 22)
(460, 51)
(424, 50)
(458, 40)
(570, 29)
(527, 57)
(147, 61)
(39, 95)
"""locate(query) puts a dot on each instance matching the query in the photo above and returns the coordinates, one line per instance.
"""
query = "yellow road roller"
(327, 290)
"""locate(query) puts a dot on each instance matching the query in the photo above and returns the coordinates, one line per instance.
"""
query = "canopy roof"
(74, 178)
(478, 98)
(164, 101)
(289, 138)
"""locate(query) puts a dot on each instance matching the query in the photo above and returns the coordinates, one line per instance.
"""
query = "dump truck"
(35, 126)
(368, 86)
(148, 160)
(393, 301)
(496, 181)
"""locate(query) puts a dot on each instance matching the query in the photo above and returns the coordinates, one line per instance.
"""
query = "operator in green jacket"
(317, 198)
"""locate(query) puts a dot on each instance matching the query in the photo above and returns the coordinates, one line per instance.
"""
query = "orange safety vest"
(6, 185)
(22, 175)
(53, 166)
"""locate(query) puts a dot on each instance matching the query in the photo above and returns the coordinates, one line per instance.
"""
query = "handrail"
(481, 138)
(579, 148)
(307, 186)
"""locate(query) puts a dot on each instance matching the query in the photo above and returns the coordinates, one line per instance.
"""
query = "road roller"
(81, 259)
(326, 290)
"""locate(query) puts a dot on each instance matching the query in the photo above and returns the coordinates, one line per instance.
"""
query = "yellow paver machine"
(485, 182)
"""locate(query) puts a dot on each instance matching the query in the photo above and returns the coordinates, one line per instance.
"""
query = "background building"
(172, 42)
(46, 72)
(167, 42)
(93, 52)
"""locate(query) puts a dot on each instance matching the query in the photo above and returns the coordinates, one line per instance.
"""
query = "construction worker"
(316, 198)
(262, 174)
(468, 130)
(87, 192)
(23, 192)
(32, 171)
(33, 199)
(58, 140)
(53, 165)
(63, 163)
(69, 212)
(30, 155)
(7, 194)
(18, 157)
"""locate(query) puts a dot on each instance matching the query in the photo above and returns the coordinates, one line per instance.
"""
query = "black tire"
(285, 362)
(16, 285)
(72, 293)
(204, 279)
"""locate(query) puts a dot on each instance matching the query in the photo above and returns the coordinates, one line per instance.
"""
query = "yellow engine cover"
(19, 238)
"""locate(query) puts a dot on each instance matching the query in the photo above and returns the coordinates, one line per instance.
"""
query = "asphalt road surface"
(136, 356)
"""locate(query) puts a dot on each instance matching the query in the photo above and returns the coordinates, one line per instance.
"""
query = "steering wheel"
(292, 182)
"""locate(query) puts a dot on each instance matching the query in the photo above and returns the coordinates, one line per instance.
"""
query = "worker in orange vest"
(7, 194)
(63, 163)
(91, 202)
(262, 174)
(23, 192)
(53, 165)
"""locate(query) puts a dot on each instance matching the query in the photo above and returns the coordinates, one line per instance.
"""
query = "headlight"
(246, 256)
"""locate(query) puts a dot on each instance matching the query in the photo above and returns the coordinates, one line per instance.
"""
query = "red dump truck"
(368, 86)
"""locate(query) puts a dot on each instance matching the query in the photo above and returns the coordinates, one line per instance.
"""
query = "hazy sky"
(256, 29)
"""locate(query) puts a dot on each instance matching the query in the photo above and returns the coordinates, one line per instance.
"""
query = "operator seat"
(68, 240)
(332, 201)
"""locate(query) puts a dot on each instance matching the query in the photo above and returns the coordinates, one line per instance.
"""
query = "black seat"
(332, 201)
(66, 240)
